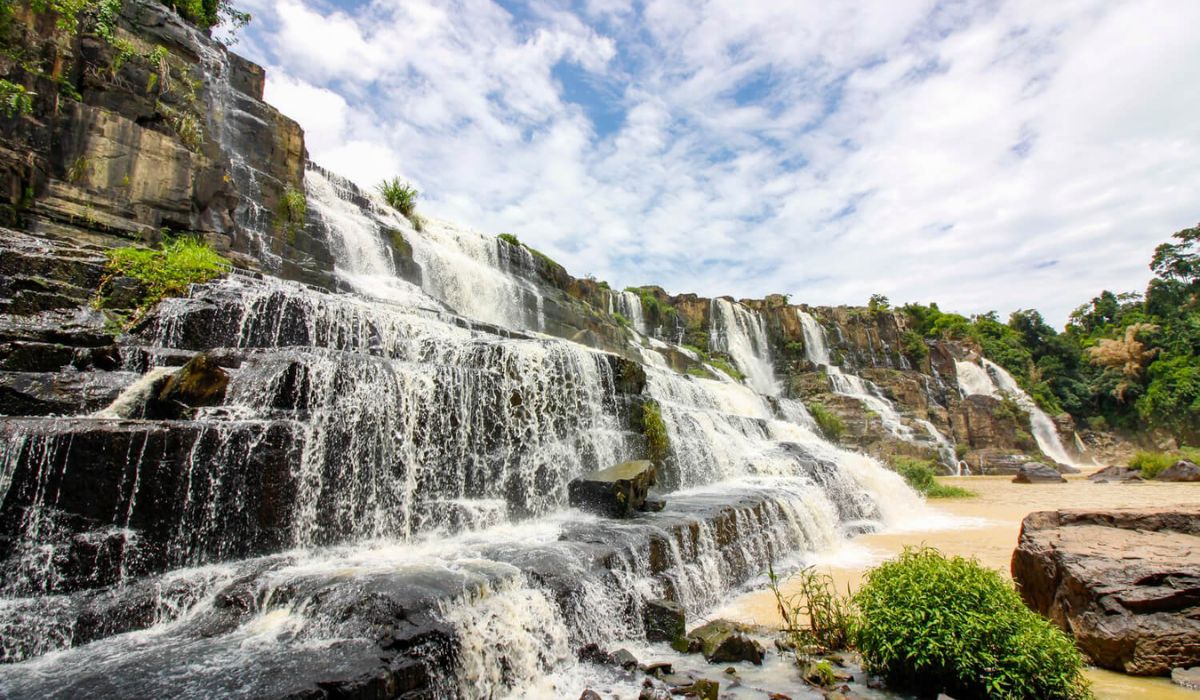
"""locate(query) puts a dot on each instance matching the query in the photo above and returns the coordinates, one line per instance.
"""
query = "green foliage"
(1009, 409)
(878, 304)
(830, 423)
(933, 624)
(162, 273)
(920, 476)
(1151, 464)
(620, 319)
(724, 365)
(509, 238)
(185, 125)
(79, 170)
(399, 195)
(699, 371)
(816, 619)
(912, 344)
(15, 99)
(293, 207)
(658, 442)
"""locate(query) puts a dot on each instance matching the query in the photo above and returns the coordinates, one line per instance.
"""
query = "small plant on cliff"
(399, 195)
(15, 99)
(913, 346)
(509, 238)
(293, 207)
(920, 476)
(658, 443)
(162, 273)
(934, 624)
(620, 319)
(830, 423)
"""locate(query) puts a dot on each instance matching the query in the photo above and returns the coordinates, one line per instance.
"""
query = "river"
(986, 527)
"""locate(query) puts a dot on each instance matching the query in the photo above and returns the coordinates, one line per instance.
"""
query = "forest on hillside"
(1125, 360)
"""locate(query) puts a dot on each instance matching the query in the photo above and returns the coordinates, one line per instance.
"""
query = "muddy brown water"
(986, 527)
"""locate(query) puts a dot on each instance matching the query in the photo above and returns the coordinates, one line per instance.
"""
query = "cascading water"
(816, 349)
(991, 379)
(741, 333)
(629, 305)
(385, 464)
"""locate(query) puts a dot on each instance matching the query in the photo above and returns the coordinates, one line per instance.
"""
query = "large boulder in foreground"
(616, 491)
(1125, 583)
(1038, 473)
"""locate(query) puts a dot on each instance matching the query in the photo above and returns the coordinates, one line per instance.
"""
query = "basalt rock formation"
(1125, 583)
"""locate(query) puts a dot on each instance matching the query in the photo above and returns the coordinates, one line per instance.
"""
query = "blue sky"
(986, 155)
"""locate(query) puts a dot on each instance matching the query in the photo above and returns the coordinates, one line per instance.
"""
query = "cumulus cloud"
(987, 155)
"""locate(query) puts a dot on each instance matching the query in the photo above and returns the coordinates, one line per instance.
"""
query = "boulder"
(665, 620)
(1125, 583)
(201, 382)
(722, 641)
(1182, 470)
(623, 658)
(1109, 474)
(1038, 473)
(616, 491)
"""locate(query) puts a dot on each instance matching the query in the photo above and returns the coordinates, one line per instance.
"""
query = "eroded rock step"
(389, 620)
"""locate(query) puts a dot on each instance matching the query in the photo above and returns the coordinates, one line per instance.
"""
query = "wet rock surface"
(1124, 583)
(722, 641)
(1114, 473)
(617, 491)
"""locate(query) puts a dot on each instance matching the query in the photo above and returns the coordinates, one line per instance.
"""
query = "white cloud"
(987, 155)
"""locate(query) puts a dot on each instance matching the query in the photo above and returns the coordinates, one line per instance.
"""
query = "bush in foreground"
(933, 624)
(920, 476)
(1151, 464)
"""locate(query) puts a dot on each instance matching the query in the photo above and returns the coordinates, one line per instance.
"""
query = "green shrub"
(913, 346)
(15, 99)
(620, 319)
(400, 196)
(1150, 464)
(830, 423)
(658, 443)
(919, 474)
(509, 238)
(931, 624)
(163, 273)
(699, 371)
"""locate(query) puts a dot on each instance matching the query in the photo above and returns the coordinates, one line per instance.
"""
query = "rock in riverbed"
(722, 641)
(1182, 470)
(616, 491)
(1108, 474)
(1125, 583)
(1038, 473)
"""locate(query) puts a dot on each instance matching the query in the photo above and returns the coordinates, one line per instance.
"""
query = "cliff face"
(153, 129)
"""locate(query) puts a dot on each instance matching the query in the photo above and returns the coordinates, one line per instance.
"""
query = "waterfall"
(629, 305)
(816, 350)
(993, 380)
(741, 333)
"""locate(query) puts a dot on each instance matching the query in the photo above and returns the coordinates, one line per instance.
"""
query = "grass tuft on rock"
(933, 624)
(920, 476)
(654, 429)
(162, 273)
(1151, 464)
(830, 423)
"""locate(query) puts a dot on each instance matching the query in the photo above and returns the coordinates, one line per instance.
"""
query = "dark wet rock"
(199, 383)
(1186, 677)
(1182, 470)
(592, 653)
(722, 641)
(617, 491)
(704, 689)
(589, 694)
(623, 658)
(1125, 583)
(658, 668)
(665, 620)
(1114, 473)
(1038, 473)
(68, 393)
(653, 505)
